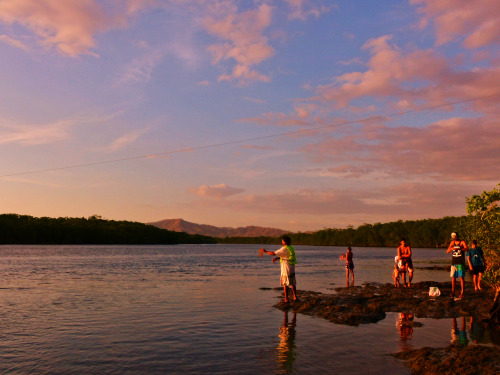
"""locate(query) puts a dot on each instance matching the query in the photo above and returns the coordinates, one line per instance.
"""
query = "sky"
(292, 114)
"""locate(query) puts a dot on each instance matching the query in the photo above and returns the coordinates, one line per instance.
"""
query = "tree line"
(23, 229)
(418, 233)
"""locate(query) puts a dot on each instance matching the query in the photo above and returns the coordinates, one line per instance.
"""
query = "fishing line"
(244, 140)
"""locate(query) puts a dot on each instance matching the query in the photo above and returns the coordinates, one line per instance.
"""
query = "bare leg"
(474, 279)
(410, 277)
(294, 292)
(285, 289)
(462, 285)
(352, 277)
(347, 277)
(453, 283)
(479, 281)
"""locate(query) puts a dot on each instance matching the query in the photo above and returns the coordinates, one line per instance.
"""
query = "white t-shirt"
(286, 268)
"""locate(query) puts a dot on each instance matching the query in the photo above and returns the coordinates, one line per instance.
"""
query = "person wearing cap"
(457, 248)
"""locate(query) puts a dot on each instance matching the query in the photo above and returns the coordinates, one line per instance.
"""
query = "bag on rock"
(434, 291)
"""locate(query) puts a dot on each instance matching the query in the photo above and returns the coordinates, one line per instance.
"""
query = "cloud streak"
(219, 191)
(34, 134)
(13, 42)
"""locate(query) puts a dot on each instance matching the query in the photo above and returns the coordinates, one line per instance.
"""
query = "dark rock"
(369, 303)
(454, 359)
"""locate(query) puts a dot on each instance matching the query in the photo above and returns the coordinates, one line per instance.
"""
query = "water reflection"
(405, 327)
(476, 330)
(286, 349)
(459, 335)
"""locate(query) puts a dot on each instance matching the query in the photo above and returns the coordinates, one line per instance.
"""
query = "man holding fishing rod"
(288, 260)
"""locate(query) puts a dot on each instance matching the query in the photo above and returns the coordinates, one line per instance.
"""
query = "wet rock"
(454, 359)
(369, 303)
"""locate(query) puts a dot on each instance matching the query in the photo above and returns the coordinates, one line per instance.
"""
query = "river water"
(195, 309)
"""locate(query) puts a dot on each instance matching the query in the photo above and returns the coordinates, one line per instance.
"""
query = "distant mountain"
(179, 225)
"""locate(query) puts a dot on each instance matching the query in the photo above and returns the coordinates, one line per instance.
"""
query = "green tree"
(483, 224)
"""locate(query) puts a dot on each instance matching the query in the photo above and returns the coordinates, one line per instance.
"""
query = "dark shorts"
(476, 270)
(349, 265)
(408, 264)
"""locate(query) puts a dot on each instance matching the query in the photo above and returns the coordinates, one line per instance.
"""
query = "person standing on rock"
(288, 260)
(457, 248)
(475, 257)
(404, 254)
(349, 265)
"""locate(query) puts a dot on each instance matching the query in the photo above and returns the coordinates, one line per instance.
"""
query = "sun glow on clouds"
(34, 134)
(124, 141)
(216, 191)
(13, 42)
(476, 22)
(224, 70)
(244, 42)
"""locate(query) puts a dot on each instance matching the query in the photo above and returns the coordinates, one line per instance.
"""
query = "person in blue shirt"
(476, 264)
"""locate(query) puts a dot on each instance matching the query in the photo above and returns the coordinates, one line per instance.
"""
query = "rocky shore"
(370, 302)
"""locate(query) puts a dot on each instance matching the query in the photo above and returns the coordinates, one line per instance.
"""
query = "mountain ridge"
(181, 225)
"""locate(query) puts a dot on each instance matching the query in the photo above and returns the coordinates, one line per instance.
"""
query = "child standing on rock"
(395, 276)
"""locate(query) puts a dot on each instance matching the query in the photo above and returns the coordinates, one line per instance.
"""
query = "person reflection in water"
(286, 348)
(405, 326)
(476, 330)
(459, 336)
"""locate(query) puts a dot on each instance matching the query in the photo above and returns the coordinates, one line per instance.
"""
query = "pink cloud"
(302, 116)
(124, 141)
(454, 149)
(302, 9)
(35, 134)
(243, 42)
(478, 22)
(13, 42)
(391, 73)
(395, 77)
(399, 201)
(216, 191)
(69, 25)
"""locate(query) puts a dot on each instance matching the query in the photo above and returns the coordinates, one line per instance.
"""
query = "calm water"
(194, 310)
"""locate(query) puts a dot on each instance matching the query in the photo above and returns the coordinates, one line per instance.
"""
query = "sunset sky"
(293, 114)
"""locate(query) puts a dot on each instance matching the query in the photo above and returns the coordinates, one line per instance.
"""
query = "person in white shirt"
(288, 260)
